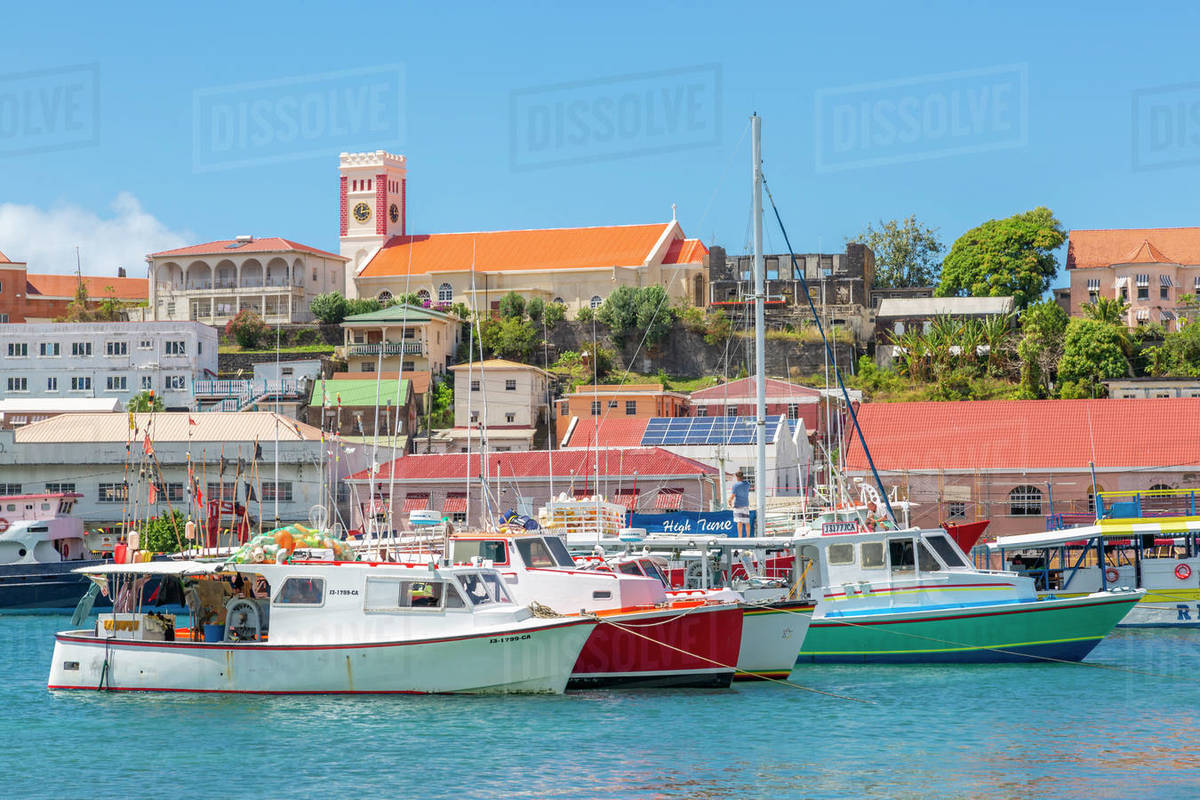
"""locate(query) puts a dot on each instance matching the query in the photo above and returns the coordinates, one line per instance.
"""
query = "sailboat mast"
(760, 357)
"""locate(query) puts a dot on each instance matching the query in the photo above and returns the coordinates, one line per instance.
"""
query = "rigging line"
(728, 666)
(836, 370)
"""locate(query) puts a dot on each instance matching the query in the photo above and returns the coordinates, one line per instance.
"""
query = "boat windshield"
(488, 550)
(946, 550)
(483, 588)
(652, 571)
(559, 551)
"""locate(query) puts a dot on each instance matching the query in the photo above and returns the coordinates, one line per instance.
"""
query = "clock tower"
(372, 209)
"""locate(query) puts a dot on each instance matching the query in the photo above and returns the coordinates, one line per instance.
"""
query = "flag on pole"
(250, 496)
(190, 420)
(147, 448)
(132, 425)
(258, 456)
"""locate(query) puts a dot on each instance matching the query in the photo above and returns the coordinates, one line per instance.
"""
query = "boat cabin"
(39, 529)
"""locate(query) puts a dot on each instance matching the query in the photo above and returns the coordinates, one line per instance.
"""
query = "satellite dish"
(318, 516)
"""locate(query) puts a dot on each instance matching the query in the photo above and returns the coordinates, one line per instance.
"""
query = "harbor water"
(1126, 725)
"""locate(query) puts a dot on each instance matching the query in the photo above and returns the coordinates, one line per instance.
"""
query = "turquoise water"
(1011, 731)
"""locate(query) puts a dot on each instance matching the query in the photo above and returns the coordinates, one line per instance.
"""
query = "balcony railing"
(1150, 503)
(389, 349)
(237, 395)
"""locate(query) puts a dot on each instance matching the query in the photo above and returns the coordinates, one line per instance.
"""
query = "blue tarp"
(701, 523)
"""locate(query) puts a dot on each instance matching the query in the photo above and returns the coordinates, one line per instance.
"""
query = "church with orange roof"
(1150, 268)
(575, 266)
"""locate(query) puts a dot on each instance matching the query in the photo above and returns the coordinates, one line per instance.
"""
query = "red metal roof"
(37, 285)
(1028, 434)
(543, 248)
(270, 244)
(1102, 248)
(745, 387)
(456, 502)
(613, 432)
(614, 462)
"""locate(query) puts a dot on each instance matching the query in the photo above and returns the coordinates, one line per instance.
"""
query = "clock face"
(393, 213)
(362, 212)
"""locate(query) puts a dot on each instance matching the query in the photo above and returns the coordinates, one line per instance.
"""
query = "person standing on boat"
(739, 499)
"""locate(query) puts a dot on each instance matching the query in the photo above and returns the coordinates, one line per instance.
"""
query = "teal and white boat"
(913, 596)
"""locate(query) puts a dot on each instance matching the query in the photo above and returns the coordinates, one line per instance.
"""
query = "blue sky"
(1050, 94)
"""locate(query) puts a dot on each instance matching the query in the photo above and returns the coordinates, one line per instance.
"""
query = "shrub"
(362, 305)
(305, 336)
(536, 309)
(247, 328)
(554, 314)
(512, 306)
(329, 308)
(584, 314)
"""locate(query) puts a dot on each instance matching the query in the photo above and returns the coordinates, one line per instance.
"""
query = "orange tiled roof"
(1102, 248)
(685, 251)
(543, 248)
(97, 287)
(270, 244)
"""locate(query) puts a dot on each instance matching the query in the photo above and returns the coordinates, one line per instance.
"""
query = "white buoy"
(134, 539)
(189, 530)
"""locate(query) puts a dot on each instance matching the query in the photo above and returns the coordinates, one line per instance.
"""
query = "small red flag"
(153, 498)
(147, 448)
(190, 420)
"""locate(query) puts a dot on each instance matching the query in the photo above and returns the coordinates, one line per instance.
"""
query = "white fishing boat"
(323, 628)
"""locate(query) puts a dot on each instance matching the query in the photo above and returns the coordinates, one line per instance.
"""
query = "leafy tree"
(718, 327)
(329, 308)
(164, 534)
(628, 311)
(1043, 326)
(410, 299)
(512, 306)
(442, 411)
(461, 310)
(584, 314)
(362, 305)
(510, 338)
(144, 402)
(536, 309)
(906, 252)
(247, 328)
(111, 309)
(1092, 352)
(1107, 309)
(576, 368)
(620, 313)
(554, 314)
(1179, 353)
(655, 315)
(1012, 256)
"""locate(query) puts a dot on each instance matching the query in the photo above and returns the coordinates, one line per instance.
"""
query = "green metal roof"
(398, 314)
(359, 392)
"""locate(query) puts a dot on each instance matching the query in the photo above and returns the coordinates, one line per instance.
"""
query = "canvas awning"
(669, 500)
(456, 503)
(1093, 284)
(1165, 280)
(1143, 279)
(1168, 314)
(627, 498)
(416, 502)
(1122, 282)
(1143, 313)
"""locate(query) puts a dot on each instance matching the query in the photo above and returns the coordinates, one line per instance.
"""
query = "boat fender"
(1111, 575)
(1183, 572)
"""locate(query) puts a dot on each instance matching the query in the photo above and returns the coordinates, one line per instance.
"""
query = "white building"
(107, 360)
(15, 411)
(87, 453)
(276, 278)
(506, 398)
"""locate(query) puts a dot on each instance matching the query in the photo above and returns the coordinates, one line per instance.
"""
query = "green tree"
(619, 312)
(906, 252)
(536, 309)
(585, 314)
(508, 338)
(655, 315)
(247, 329)
(512, 306)
(442, 413)
(1092, 352)
(1106, 309)
(1043, 326)
(1179, 353)
(554, 314)
(717, 327)
(362, 305)
(1001, 257)
(164, 533)
(329, 308)
(629, 311)
(143, 402)
(461, 310)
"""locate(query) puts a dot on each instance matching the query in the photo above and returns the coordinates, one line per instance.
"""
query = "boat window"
(559, 551)
(946, 550)
(651, 569)
(11, 507)
(900, 553)
(925, 559)
(535, 553)
(483, 588)
(489, 550)
(384, 594)
(629, 568)
(301, 592)
(872, 555)
(841, 554)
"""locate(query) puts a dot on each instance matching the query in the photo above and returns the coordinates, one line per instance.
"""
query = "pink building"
(1015, 462)
(790, 400)
(1149, 267)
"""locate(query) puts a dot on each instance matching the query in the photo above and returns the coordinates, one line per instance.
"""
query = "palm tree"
(970, 339)
(996, 331)
(1107, 309)
(915, 348)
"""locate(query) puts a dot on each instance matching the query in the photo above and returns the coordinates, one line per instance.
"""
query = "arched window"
(596, 302)
(1025, 501)
(1160, 487)
(423, 295)
(384, 297)
(445, 293)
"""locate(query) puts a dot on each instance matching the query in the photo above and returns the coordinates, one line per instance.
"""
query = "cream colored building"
(212, 282)
(505, 398)
(574, 266)
(401, 338)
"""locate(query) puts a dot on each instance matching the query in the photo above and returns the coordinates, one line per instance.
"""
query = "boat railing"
(1058, 522)
(1148, 503)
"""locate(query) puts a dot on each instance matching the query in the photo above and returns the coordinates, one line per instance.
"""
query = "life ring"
(3, 524)
(1111, 575)
(1183, 571)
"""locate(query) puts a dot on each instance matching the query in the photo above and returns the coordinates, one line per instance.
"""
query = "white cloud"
(46, 239)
